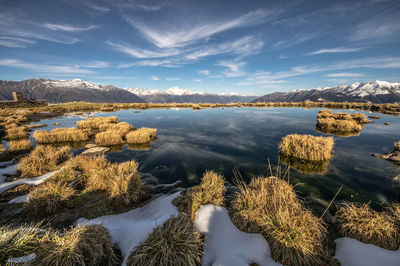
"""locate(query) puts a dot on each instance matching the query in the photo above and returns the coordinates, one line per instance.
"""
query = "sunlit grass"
(141, 135)
(20, 145)
(60, 135)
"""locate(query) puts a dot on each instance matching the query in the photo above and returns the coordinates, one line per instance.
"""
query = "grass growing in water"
(16, 132)
(108, 138)
(367, 225)
(174, 243)
(210, 191)
(43, 159)
(60, 135)
(20, 145)
(93, 123)
(307, 147)
(342, 124)
(270, 206)
(141, 135)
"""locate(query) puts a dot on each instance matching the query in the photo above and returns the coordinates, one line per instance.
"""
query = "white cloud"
(154, 77)
(65, 27)
(14, 42)
(142, 53)
(197, 80)
(172, 36)
(378, 29)
(96, 64)
(153, 63)
(44, 68)
(171, 79)
(235, 68)
(344, 75)
(204, 72)
(336, 50)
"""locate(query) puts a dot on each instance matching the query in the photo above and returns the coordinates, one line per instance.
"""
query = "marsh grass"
(367, 225)
(270, 206)
(174, 243)
(121, 128)
(93, 123)
(307, 147)
(397, 146)
(18, 241)
(16, 133)
(141, 135)
(81, 245)
(108, 138)
(20, 145)
(210, 191)
(49, 198)
(43, 159)
(60, 135)
(342, 124)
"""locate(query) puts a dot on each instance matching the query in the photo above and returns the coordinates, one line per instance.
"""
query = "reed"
(16, 132)
(141, 135)
(109, 138)
(20, 145)
(60, 135)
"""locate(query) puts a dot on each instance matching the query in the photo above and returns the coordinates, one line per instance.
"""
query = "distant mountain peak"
(178, 91)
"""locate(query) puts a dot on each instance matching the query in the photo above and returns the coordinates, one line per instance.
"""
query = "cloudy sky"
(252, 47)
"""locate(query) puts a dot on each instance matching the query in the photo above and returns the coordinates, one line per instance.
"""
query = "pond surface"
(190, 142)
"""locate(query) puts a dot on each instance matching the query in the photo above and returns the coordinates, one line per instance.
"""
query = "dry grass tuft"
(340, 123)
(122, 128)
(394, 210)
(16, 132)
(43, 159)
(82, 245)
(367, 225)
(109, 138)
(49, 198)
(93, 123)
(141, 135)
(210, 191)
(307, 147)
(270, 206)
(60, 135)
(18, 241)
(20, 145)
(174, 243)
(397, 146)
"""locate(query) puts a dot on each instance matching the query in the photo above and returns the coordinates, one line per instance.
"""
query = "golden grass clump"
(93, 123)
(340, 123)
(141, 135)
(20, 145)
(16, 133)
(88, 164)
(48, 198)
(18, 241)
(270, 206)
(60, 135)
(122, 128)
(367, 225)
(43, 159)
(174, 243)
(397, 146)
(307, 147)
(394, 210)
(81, 245)
(210, 191)
(109, 138)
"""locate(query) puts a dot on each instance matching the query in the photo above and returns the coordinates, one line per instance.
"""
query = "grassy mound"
(82, 245)
(210, 191)
(367, 225)
(93, 123)
(306, 147)
(342, 124)
(109, 138)
(20, 145)
(121, 128)
(43, 159)
(174, 243)
(141, 135)
(270, 206)
(60, 135)
(16, 132)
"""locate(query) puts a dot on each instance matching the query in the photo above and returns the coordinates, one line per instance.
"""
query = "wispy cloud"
(336, 50)
(15, 42)
(295, 40)
(172, 36)
(378, 29)
(197, 80)
(152, 63)
(344, 75)
(235, 68)
(172, 79)
(154, 77)
(65, 27)
(204, 72)
(142, 53)
(44, 68)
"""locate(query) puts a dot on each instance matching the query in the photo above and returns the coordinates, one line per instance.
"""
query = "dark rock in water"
(374, 117)
(160, 167)
(136, 112)
(386, 124)
(393, 156)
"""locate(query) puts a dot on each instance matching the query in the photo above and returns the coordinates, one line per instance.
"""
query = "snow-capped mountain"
(179, 95)
(56, 91)
(374, 91)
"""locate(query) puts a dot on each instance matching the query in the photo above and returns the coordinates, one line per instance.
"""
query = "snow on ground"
(23, 259)
(32, 181)
(2, 164)
(9, 170)
(20, 199)
(225, 244)
(130, 228)
(351, 252)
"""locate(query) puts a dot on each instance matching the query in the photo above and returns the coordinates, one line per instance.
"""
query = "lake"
(190, 142)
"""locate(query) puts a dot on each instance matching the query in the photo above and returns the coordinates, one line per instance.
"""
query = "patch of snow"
(176, 91)
(130, 228)
(74, 83)
(20, 199)
(2, 164)
(32, 181)
(352, 252)
(225, 244)
(23, 259)
(9, 170)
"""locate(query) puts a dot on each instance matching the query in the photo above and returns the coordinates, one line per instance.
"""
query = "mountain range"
(374, 91)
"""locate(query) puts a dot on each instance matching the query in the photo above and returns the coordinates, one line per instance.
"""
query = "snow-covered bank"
(130, 228)
(225, 244)
(32, 181)
(351, 252)
(9, 170)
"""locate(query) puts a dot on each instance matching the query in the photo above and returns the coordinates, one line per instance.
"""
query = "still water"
(190, 142)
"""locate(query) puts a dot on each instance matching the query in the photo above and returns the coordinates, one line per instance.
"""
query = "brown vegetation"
(141, 135)
(342, 124)
(60, 135)
(174, 243)
(43, 159)
(20, 145)
(270, 206)
(16, 132)
(307, 147)
(108, 138)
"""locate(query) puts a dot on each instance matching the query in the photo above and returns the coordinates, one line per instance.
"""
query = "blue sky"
(251, 47)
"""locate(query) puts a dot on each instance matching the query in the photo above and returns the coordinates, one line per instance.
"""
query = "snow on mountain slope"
(177, 91)
(74, 83)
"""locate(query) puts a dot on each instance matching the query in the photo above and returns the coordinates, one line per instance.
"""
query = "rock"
(36, 126)
(386, 124)
(374, 117)
(95, 151)
(57, 123)
(160, 167)
(90, 145)
(136, 112)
